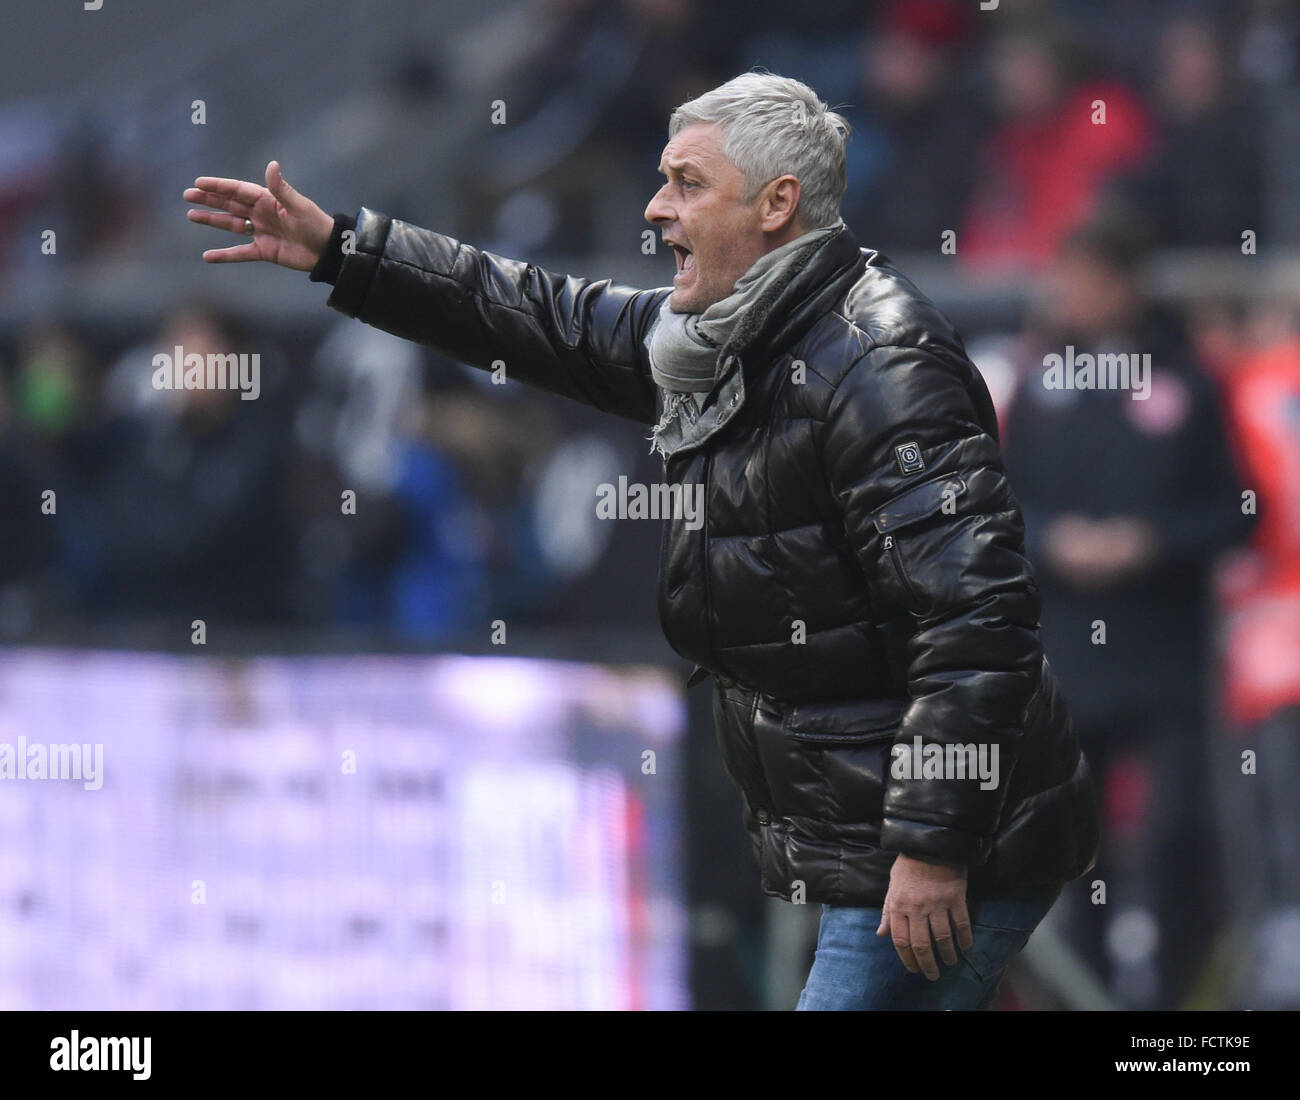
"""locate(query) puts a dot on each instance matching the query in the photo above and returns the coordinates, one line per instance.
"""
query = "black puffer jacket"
(859, 580)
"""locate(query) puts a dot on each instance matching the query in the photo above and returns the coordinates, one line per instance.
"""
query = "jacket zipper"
(903, 579)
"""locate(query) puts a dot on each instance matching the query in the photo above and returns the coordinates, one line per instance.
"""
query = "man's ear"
(779, 203)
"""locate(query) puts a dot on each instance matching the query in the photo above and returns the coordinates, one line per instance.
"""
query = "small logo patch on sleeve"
(909, 458)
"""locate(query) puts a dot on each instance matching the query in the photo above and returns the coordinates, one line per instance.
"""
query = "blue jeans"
(855, 969)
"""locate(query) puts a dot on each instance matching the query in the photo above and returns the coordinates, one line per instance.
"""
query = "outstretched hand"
(288, 228)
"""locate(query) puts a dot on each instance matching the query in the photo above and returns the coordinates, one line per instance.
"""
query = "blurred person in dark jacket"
(1129, 493)
(190, 522)
(1204, 183)
(915, 152)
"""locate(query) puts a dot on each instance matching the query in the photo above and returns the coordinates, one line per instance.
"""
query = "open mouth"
(685, 258)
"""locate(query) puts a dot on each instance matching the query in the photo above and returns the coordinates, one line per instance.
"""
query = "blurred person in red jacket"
(1043, 170)
(1260, 597)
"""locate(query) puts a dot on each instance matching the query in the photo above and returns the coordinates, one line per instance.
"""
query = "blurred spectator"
(1261, 690)
(587, 108)
(348, 434)
(417, 555)
(430, 582)
(498, 439)
(1063, 138)
(1204, 184)
(46, 189)
(440, 460)
(48, 447)
(913, 155)
(1127, 500)
(1270, 43)
(190, 524)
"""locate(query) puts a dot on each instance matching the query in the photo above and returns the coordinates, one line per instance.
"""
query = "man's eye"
(688, 184)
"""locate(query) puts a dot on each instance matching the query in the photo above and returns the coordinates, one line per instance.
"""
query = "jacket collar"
(772, 324)
(782, 316)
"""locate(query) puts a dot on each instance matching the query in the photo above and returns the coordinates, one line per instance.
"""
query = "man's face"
(701, 212)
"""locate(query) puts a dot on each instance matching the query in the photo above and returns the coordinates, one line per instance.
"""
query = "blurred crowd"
(370, 487)
(1066, 143)
(1005, 126)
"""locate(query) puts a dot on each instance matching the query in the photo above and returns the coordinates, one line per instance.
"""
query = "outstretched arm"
(575, 337)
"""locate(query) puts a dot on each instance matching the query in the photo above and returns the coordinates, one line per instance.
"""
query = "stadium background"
(476, 501)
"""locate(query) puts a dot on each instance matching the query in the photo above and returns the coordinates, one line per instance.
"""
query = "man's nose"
(658, 210)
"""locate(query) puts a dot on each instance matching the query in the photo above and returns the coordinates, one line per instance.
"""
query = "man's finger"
(217, 202)
(882, 929)
(903, 943)
(239, 253)
(242, 190)
(279, 187)
(218, 221)
(919, 934)
(942, 930)
(961, 925)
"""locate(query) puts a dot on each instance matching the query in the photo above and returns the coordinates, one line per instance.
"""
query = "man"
(858, 588)
(1131, 495)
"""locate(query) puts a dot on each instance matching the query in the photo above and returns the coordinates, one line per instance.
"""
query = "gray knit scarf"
(684, 347)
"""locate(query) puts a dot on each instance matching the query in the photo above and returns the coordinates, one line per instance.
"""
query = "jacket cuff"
(331, 260)
(934, 843)
(360, 263)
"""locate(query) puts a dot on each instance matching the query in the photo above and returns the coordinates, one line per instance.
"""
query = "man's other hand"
(288, 228)
(924, 900)
(1096, 553)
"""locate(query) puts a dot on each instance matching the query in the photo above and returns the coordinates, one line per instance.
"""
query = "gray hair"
(773, 125)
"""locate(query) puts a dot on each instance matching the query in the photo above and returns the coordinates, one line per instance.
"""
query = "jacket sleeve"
(945, 545)
(578, 338)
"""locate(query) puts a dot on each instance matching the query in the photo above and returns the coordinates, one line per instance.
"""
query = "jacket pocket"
(917, 503)
(845, 723)
(832, 766)
(904, 511)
